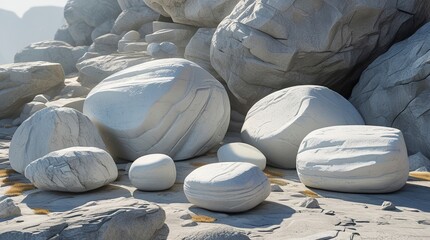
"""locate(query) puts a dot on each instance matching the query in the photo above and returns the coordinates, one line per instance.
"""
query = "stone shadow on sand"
(266, 215)
(62, 201)
(174, 194)
(410, 196)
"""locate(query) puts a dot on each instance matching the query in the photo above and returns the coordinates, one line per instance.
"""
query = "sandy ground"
(341, 216)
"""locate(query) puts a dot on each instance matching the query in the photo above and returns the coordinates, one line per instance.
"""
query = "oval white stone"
(241, 152)
(75, 169)
(360, 159)
(48, 130)
(154, 172)
(277, 124)
(170, 106)
(227, 187)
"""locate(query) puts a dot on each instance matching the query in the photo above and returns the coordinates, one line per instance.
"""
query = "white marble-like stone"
(74, 169)
(21, 82)
(48, 130)
(133, 18)
(170, 106)
(205, 13)
(28, 110)
(162, 50)
(227, 187)
(179, 36)
(241, 152)
(277, 124)
(135, 47)
(9, 209)
(266, 45)
(359, 159)
(132, 35)
(154, 172)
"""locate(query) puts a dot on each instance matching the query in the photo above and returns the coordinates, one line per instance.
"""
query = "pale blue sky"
(21, 6)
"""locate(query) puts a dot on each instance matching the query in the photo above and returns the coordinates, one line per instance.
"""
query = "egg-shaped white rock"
(75, 169)
(241, 152)
(154, 172)
(277, 124)
(359, 159)
(170, 106)
(227, 187)
(48, 130)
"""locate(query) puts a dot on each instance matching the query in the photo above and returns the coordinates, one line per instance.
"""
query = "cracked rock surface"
(264, 45)
(394, 91)
(48, 130)
(119, 218)
(75, 169)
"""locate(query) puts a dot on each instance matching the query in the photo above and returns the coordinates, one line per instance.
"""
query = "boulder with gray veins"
(120, 218)
(394, 91)
(74, 169)
(21, 82)
(173, 107)
(52, 51)
(201, 13)
(48, 130)
(92, 71)
(264, 46)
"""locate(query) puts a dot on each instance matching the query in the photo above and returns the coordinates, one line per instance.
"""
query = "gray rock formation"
(92, 71)
(418, 161)
(52, 51)
(83, 16)
(120, 218)
(134, 18)
(264, 46)
(9, 209)
(21, 82)
(394, 91)
(48, 130)
(74, 169)
(201, 13)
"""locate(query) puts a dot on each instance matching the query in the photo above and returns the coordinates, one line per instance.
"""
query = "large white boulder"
(134, 18)
(52, 51)
(202, 13)
(277, 124)
(266, 45)
(153, 172)
(170, 106)
(227, 187)
(21, 82)
(241, 152)
(74, 169)
(359, 159)
(48, 130)
(394, 91)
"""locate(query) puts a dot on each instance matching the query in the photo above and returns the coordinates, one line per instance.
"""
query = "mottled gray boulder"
(74, 169)
(134, 18)
(418, 161)
(48, 130)
(162, 50)
(120, 218)
(394, 91)
(104, 28)
(83, 16)
(201, 13)
(9, 209)
(198, 49)
(92, 71)
(105, 44)
(64, 35)
(264, 46)
(21, 82)
(52, 51)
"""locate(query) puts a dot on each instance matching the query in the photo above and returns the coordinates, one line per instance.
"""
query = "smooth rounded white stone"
(359, 159)
(132, 36)
(227, 187)
(75, 169)
(170, 106)
(277, 124)
(48, 130)
(40, 98)
(241, 152)
(154, 172)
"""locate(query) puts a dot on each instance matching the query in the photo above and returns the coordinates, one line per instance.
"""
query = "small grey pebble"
(310, 203)
(189, 223)
(388, 206)
(276, 188)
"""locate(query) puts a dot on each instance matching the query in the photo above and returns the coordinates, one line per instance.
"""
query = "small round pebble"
(241, 152)
(154, 172)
